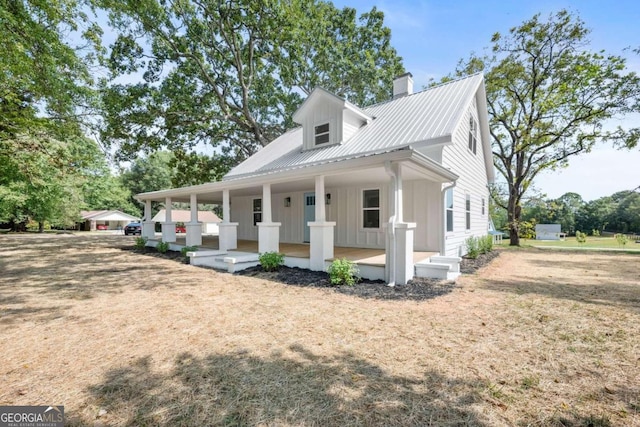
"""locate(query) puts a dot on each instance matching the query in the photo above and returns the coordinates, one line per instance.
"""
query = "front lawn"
(538, 337)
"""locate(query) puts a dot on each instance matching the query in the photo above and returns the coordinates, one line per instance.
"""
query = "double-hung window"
(449, 209)
(371, 208)
(473, 134)
(468, 212)
(257, 211)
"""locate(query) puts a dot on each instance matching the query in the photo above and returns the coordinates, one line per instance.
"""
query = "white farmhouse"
(398, 186)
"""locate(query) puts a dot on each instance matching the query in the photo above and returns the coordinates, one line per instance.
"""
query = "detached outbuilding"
(208, 219)
(105, 220)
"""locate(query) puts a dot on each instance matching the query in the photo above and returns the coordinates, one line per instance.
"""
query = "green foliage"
(485, 243)
(595, 232)
(230, 74)
(548, 96)
(581, 237)
(622, 239)
(473, 247)
(527, 229)
(140, 243)
(478, 245)
(343, 272)
(162, 247)
(271, 261)
(186, 249)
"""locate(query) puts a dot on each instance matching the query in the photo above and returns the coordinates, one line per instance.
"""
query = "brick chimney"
(402, 85)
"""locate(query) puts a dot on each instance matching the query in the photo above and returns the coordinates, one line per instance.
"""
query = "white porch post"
(168, 226)
(194, 228)
(228, 231)
(148, 227)
(399, 247)
(320, 231)
(268, 231)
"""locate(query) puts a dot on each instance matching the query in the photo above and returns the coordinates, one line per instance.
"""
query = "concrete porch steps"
(439, 267)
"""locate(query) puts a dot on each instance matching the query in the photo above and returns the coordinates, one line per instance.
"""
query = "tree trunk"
(40, 226)
(513, 219)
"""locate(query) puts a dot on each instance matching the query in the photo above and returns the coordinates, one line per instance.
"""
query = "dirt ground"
(537, 338)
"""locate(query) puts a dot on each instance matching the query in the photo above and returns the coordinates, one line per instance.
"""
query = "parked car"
(181, 228)
(133, 229)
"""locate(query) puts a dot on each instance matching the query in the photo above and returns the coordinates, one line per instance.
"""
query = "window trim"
(448, 208)
(484, 204)
(473, 134)
(316, 134)
(256, 212)
(378, 208)
(467, 212)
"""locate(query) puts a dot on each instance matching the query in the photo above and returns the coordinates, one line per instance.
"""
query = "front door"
(309, 214)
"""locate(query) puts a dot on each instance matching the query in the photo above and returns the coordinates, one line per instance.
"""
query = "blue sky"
(432, 36)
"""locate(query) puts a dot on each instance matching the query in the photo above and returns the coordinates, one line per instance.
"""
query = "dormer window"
(322, 134)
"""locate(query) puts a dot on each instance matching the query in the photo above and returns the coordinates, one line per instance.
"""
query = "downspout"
(443, 242)
(391, 225)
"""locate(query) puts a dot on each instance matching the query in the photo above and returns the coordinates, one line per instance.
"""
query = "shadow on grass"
(301, 389)
(618, 293)
(37, 271)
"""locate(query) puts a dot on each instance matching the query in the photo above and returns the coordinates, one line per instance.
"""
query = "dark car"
(133, 229)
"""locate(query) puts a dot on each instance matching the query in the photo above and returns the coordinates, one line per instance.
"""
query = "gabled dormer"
(327, 119)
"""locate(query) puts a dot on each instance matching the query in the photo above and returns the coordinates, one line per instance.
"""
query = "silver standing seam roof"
(429, 115)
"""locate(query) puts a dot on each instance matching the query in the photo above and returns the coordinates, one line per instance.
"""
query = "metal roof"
(429, 115)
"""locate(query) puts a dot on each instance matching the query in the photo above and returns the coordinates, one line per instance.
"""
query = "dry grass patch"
(122, 339)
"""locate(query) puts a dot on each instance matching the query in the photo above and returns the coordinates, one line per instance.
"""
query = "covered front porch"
(353, 209)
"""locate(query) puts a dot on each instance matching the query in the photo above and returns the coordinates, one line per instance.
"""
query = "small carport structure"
(105, 220)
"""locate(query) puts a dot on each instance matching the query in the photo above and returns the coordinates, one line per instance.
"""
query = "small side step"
(241, 262)
(439, 267)
(207, 259)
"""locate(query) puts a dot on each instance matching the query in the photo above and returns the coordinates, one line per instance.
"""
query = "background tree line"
(618, 213)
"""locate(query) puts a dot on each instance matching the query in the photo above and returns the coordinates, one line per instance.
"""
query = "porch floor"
(301, 250)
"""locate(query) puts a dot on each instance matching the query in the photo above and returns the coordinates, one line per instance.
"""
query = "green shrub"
(486, 244)
(473, 247)
(622, 239)
(186, 249)
(343, 272)
(595, 232)
(581, 237)
(162, 247)
(271, 261)
(141, 243)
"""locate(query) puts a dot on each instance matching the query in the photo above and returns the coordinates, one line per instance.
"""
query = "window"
(483, 206)
(371, 209)
(473, 134)
(322, 134)
(257, 211)
(468, 212)
(449, 209)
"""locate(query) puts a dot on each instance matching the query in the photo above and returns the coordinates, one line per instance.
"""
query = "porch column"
(228, 231)
(168, 226)
(320, 231)
(194, 228)
(148, 227)
(268, 231)
(404, 237)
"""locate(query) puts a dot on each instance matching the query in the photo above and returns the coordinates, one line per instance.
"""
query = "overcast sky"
(431, 36)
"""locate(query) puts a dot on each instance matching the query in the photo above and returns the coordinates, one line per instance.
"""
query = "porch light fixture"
(287, 202)
(327, 198)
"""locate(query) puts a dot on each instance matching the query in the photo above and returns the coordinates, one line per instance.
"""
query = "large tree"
(230, 74)
(549, 98)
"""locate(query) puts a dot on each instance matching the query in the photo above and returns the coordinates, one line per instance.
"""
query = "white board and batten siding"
(420, 206)
(473, 182)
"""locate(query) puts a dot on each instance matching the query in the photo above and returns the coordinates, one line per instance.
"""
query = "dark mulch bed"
(418, 289)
